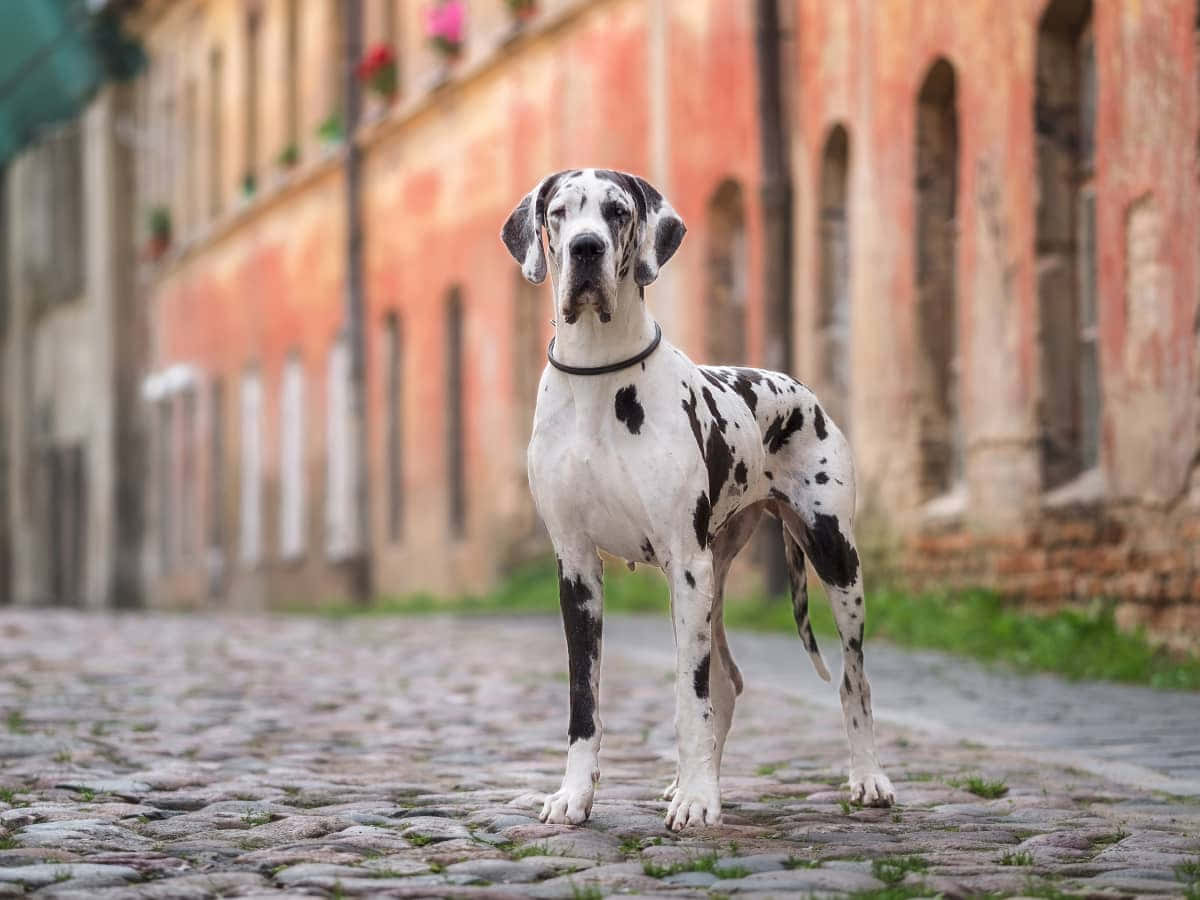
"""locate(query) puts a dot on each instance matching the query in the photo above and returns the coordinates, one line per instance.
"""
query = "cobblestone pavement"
(159, 756)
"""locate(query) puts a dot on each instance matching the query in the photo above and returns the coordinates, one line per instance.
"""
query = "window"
(187, 473)
(251, 487)
(1064, 120)
(394, 356)
(341, 524)
(216, 94)
(936, 247)
(455, 451)
(53, 250)
(250, 127)
(292, 507)
(166, 485)
(726, 342)
(216, 468)
(833, 261)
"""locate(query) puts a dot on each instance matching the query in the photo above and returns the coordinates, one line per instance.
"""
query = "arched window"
(833, 261)
(936, 247)
(1064, 122)
(726, 296)
(394, 360)
(456, 482)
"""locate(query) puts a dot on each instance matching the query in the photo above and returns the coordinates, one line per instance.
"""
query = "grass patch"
(8, 842)
(893, 869)
(1019, 858)
(794, 862)
(523, 851)
(705, 863)
(586, 892)
(980, 786)
(15, 721)
(1077, 643)
(767, 769)
(253, 819)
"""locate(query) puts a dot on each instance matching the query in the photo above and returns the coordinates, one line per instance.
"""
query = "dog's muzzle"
(587, 255)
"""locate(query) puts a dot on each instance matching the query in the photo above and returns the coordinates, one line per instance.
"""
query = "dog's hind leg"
(581, 596)
(827, 537)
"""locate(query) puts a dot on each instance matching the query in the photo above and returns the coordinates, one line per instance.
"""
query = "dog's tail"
(798, 578)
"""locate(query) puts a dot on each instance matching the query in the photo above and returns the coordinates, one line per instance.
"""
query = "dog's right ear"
(522, 232)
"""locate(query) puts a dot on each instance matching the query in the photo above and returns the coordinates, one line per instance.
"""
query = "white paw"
(697, 804)
(872, 789)
(669, 793)
(568, 806)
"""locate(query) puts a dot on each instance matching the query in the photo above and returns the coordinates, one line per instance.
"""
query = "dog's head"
(602, 228)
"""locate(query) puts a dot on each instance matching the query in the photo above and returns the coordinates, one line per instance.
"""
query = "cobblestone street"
(162, 756)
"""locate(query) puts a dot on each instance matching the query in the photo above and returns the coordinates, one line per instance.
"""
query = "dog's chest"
(617, 459)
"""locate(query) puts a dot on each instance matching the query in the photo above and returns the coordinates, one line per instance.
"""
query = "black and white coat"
(672, 464)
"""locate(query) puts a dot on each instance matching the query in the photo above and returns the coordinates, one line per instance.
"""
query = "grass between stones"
(1189, 873)
(980, 786)
(1019, 858)
(1076, 643)
(705, 863)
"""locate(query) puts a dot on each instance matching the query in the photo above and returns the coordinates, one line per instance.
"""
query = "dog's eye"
(557, 213)
(616, 211)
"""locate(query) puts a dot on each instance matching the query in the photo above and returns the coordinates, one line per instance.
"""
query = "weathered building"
(71, 346)
(997, 266)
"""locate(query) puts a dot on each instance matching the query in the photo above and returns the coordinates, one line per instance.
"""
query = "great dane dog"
(639, 452)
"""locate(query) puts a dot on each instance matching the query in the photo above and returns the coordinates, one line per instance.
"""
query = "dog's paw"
(672, 789)
(568, 806)
(872, 789)
(696, 804)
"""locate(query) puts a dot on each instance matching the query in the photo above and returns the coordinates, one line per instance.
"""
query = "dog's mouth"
(585, 294)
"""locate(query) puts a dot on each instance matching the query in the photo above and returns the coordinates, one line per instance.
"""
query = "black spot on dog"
(770, 476)
(739, 473)
(583, 651)
(647, 550)
(700, 519)
(781, 429)
(719, 460)
(834, 557)
(743, 384)
(858, 600)
(700, 677)
(693, 419)
(821, 478)
(819, 422)
(713, 379)
(712, 408)
(628, 410)
(689, 578)
(846, 683)
(854, 721)
(776, 494)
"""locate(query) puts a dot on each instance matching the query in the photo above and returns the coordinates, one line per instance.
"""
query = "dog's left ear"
(663, 233)
(522, 231)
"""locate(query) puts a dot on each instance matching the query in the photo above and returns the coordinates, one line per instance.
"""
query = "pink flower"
(445, 21)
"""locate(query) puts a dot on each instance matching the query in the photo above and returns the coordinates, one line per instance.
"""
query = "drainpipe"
(360, 562)
(776, 200)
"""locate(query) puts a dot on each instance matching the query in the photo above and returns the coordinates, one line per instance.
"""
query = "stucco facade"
(937, 259)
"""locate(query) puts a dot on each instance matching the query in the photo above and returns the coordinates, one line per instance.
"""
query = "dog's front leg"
(581, 597)
(697, 798)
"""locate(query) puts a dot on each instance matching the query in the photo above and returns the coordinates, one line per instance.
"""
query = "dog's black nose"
(586, 247)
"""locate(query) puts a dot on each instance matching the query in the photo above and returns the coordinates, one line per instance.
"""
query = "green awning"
(53, 55)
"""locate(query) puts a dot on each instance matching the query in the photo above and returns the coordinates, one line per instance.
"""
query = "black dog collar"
(611, 367)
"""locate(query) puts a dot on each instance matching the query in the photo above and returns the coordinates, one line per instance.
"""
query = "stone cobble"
(164, 756)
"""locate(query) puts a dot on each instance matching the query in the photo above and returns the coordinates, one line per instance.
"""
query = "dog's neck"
(590, 342)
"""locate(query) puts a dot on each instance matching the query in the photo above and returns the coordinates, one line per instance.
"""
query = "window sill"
(947, 509)
(1085, 489)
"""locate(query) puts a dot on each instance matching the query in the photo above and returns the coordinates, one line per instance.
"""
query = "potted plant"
(377, 70)
(444, 23)
(330, 131)
(522, 10)
(288, 156)
(158, 223)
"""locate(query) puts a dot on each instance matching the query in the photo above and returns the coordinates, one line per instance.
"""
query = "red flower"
(378, 59)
